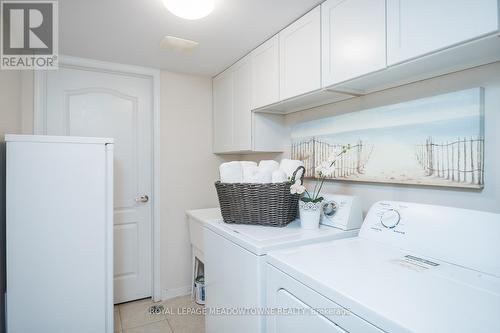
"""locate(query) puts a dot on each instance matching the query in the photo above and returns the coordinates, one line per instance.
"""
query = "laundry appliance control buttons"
(390, 218)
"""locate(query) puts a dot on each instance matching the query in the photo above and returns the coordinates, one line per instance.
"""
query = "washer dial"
(390, 218)
(330, 208)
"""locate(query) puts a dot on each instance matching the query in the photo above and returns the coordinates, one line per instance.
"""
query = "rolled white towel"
(231, 172)
(245, 164)
(269, 165)
(289, 166)
(263, 176)
(249, 171)
(279, 176)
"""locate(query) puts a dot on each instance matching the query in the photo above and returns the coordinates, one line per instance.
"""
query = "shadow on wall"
(2, 236)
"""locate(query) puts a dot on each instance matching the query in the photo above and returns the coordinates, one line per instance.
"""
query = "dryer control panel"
(342, 211)
(387, 217)
(390, 218)
(461, 236)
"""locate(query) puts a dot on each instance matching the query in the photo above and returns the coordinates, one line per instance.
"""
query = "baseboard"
(175, 292)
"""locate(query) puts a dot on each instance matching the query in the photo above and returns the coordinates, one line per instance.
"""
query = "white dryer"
(413, 268)
(235, 266)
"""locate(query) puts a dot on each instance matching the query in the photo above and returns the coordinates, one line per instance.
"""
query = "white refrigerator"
(59, 234)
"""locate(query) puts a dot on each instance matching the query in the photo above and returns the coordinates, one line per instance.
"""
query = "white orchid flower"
(301, 189)
(325, 169)
(320, 169)
(297, 188)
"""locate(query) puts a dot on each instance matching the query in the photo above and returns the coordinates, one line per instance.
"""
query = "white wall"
(188, 170)
(488, 199)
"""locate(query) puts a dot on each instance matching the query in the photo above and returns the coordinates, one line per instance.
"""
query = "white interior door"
(102, 104)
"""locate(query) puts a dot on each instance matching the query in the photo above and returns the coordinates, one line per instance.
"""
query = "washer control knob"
(390, 218)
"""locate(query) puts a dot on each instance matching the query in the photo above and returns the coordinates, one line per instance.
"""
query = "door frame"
(40, 127)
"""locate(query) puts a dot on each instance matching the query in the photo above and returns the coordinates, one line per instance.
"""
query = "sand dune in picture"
(396, 164)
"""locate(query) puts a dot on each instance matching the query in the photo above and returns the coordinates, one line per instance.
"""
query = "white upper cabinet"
(242, 113)
(236, 128)
(342, 49)
(265, 73)
(223, 111)
(300, 56)
(353, 39)
(415, 28)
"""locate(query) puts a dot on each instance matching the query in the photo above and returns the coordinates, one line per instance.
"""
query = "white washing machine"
(413, 268)
(235, 266)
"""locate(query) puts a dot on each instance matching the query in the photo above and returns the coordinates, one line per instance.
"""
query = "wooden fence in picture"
(304, 151)
(313, 152)
(459, 161)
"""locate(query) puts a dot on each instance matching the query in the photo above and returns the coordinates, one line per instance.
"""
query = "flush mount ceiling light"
(176, 43)
(190, 9)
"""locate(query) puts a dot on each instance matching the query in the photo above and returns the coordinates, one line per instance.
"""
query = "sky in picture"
(442, 117)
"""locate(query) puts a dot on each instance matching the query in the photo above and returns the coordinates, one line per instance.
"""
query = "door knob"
(142, 199)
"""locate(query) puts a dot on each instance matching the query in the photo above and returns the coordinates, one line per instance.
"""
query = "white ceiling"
(130, 31)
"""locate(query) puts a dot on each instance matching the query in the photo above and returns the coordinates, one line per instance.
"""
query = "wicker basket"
(264, 204)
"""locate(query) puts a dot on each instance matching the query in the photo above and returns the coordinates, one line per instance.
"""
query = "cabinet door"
(308, 320)
(223, 112)
(415, 28)
(233, 281)
(300, 56)
(265, 73)
(242, 113)
(353, 39)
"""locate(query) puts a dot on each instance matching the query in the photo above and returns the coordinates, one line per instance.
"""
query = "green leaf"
(318, 200)
(305, 199)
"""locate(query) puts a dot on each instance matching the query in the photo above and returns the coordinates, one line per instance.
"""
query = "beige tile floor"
(180, 315)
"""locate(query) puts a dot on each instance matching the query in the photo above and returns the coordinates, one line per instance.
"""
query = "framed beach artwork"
(437, 141)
